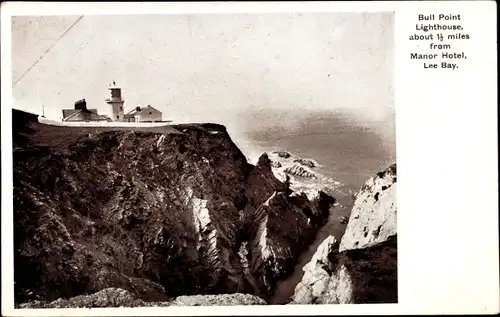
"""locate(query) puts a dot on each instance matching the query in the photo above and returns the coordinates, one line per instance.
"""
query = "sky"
(208, 67)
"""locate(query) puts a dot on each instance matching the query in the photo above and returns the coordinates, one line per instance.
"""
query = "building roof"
(85, 115)
(134, 111)
(139, 110)
(113, 86)
(67, 112)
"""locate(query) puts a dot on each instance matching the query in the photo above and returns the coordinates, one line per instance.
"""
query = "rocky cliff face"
(362, 268)
(373, 216)
(158, 212)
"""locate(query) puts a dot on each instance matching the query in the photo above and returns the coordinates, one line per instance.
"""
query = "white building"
(116, 102)
(138, 114)
(144, 114)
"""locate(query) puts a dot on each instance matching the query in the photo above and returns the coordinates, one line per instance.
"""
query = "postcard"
(312, 158)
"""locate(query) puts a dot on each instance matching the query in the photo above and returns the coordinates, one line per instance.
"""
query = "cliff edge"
(158, 212)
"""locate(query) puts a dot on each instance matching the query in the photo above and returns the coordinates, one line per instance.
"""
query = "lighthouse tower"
(116, 102)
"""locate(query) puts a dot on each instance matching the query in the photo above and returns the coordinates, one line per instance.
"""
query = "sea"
(348, 149)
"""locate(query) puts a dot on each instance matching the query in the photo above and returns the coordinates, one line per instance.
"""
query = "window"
(121, 108)
(150, 112)
(117, 117)
(115, 93)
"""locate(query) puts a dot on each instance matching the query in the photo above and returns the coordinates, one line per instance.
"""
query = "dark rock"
(276, 164)
(305, 162)
(373, 271)
(98, 208)
(264, 162)
(297, 170)
(283, 154)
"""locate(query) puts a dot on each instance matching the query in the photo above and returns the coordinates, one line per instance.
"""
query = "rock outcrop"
(306, 162)
(363, 267)
(301, 174)
(218, 300)
(159, 212)
(116, 297)
(373, 216)
(299, 171)
(316, 273)
(109, 297)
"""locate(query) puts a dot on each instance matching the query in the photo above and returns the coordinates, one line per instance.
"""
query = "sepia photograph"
(204, 159)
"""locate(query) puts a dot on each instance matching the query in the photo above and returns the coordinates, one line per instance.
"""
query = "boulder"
(283, 154)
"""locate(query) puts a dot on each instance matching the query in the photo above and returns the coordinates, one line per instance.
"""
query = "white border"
(447, 163)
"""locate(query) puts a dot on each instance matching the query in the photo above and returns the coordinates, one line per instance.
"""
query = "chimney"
(81, 105)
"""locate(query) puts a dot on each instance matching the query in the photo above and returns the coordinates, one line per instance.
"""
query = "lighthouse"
(116, 102)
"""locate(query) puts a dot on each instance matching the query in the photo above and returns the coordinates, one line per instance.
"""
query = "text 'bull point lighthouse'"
(116, 102)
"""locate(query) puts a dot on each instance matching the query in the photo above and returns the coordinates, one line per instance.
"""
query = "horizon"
(210, 67)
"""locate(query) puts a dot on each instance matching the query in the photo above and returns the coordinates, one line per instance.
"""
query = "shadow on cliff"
(374, 272)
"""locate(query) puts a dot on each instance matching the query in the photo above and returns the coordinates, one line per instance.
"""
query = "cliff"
(373, 216)
(158, 212)
(362, 268)
(304, 175)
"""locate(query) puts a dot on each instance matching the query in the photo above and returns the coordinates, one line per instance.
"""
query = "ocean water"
(349, 150)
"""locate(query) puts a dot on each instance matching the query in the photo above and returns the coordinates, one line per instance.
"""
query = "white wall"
(101, 123)
(149, 114)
